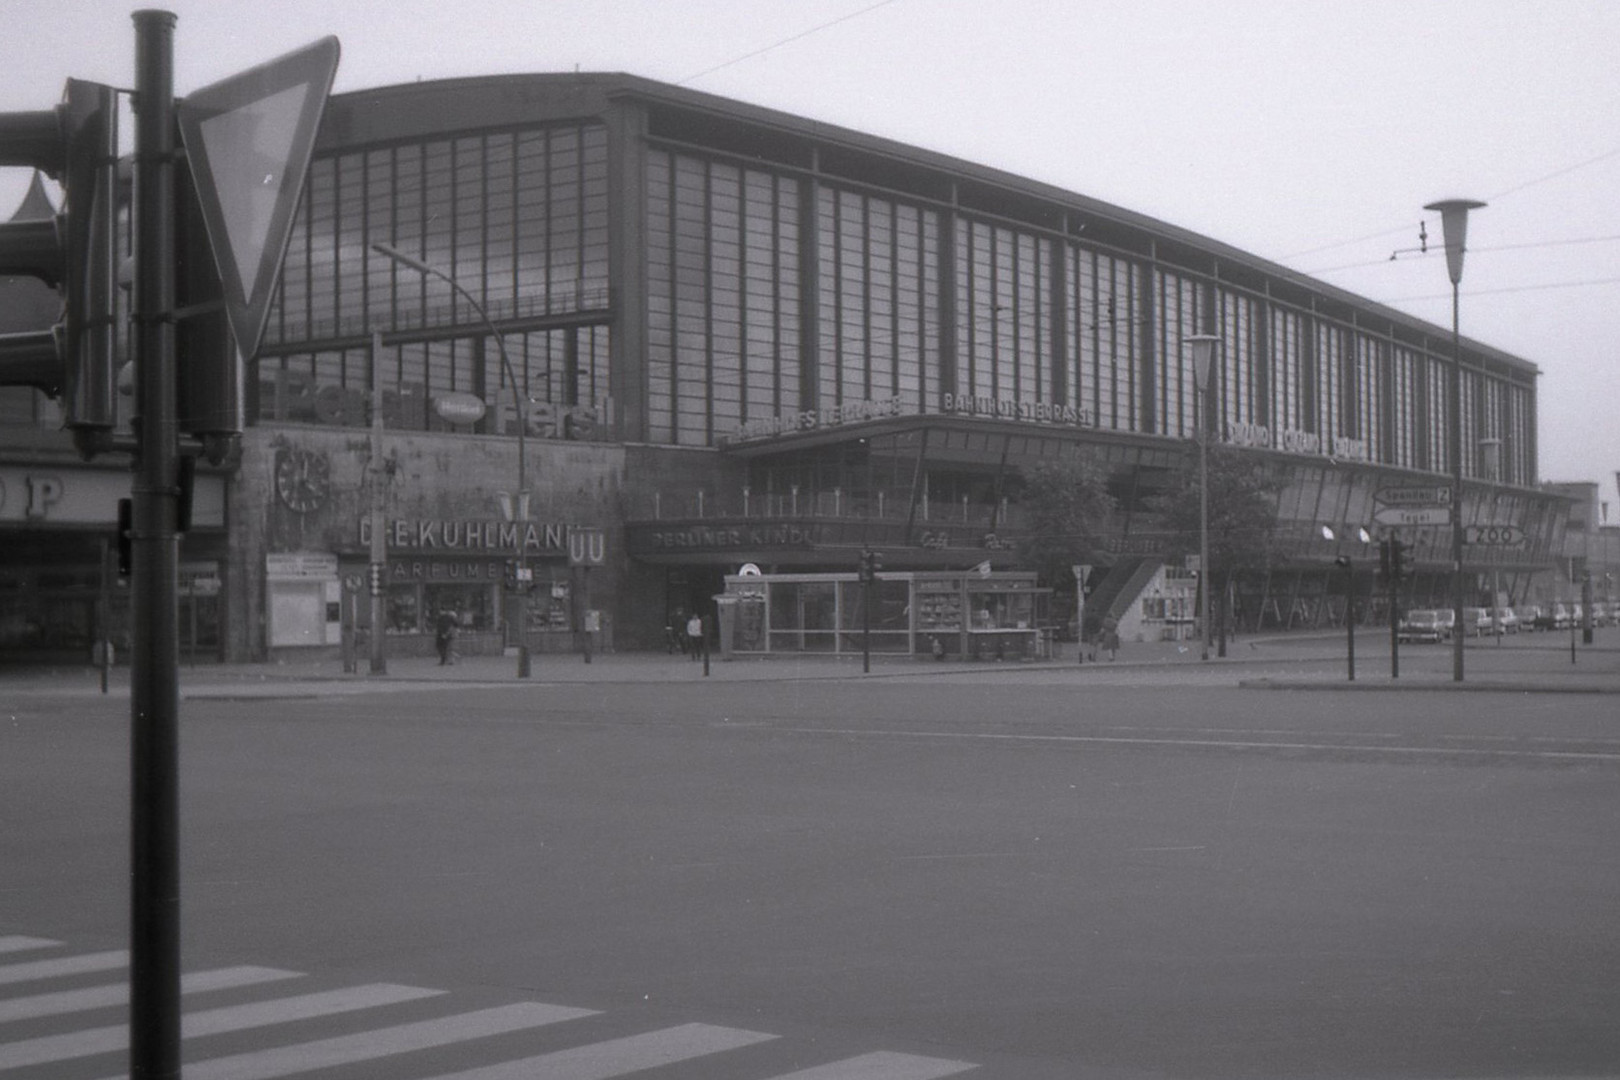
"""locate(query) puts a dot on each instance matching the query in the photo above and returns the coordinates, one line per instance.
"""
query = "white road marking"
(67, 965)
(19, 943)
(97, 997)
(616, 1057)
(380, 1043)
(1219, 744)
(77, 1044)
(883, 1065)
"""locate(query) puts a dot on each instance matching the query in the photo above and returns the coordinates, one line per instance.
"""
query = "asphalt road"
(1033, 874)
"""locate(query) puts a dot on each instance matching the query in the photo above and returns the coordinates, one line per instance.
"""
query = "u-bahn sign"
(586, 546)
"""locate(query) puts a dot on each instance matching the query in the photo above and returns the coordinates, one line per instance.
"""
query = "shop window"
(472, 604)
(404, 609)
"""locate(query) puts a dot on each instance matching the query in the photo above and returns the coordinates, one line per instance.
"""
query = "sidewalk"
(326, 677)
(1314, 660)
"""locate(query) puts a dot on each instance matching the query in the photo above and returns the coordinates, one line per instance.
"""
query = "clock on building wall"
(303, 479)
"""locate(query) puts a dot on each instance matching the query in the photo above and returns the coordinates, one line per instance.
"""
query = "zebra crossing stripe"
(380, 1043)
(77, 1044)
(98, 997)
(617, 1057)
(18, 943)
(67, 965)
(882, 1066)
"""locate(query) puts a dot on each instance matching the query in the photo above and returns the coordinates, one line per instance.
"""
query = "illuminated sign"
(1295, 441)
(850, 412)
(1036, 412)
(467, 536)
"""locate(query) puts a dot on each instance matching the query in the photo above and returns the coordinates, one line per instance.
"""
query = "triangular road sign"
(248, 140)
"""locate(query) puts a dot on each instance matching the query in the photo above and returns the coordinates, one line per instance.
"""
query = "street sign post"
(248, 141)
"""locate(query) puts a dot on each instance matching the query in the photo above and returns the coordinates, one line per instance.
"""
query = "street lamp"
(1454, 226)
(520, 505)
(1203, 361)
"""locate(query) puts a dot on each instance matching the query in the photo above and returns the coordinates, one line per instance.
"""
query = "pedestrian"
(675, 633)
(444, 636)
(694, 634)
(1110, 636)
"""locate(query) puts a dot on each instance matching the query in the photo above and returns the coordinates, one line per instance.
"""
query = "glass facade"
(518, 219)
(781, 299)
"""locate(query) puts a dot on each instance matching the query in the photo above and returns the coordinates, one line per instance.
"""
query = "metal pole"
(1350, 616)
(1203, 514)
(1455, 439)
(866, 622)
(1394, 613)
(379, 528)
(154, 968)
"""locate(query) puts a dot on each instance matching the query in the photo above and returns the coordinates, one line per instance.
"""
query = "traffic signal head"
(74, 252)
(1402, 556)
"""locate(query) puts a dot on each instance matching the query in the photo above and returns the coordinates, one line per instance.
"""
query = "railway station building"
(706, 335)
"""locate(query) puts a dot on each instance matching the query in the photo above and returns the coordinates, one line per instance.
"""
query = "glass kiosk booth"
(961, 614)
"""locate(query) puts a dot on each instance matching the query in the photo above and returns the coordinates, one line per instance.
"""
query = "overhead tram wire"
(1515, 189)
(1472, 250)
(785, 41)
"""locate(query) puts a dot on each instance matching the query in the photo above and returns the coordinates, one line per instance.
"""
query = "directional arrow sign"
(1418, 495)
(248, 140)
(1422, 515)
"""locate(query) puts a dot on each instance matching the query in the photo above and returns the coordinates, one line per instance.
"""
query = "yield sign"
(248, 139)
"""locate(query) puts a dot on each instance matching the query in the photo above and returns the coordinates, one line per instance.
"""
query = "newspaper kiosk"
(962, 614)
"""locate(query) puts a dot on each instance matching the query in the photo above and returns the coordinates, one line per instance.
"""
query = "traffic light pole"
(1392, 576)
(154, 969)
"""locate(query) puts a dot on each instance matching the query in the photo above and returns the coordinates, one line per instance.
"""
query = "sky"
(1308, 132)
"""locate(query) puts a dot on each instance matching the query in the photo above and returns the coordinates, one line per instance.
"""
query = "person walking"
(444, 636)
(694, 634)
(1110, 636)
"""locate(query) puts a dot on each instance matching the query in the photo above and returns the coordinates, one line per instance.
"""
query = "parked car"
(1560, 616)
(1477, 621)
(1536, 617)
(1507, 621)
(1423, 625)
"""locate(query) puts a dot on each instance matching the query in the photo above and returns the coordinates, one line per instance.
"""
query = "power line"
(785, 41)
(1509, 289)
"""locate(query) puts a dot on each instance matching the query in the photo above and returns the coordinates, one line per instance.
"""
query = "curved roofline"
(593, 92)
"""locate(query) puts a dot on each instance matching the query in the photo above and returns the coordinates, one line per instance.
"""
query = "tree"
(1243, 496)
(1068, 511)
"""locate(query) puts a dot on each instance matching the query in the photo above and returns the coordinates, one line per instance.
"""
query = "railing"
(745, 505)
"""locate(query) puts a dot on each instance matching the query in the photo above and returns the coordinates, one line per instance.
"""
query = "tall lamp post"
(1203, 360)
(520, 504)
(1454, 225)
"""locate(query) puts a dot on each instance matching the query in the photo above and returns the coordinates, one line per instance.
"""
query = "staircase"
(1120, 588)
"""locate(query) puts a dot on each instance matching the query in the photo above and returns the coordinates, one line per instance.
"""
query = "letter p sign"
(44, 492)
